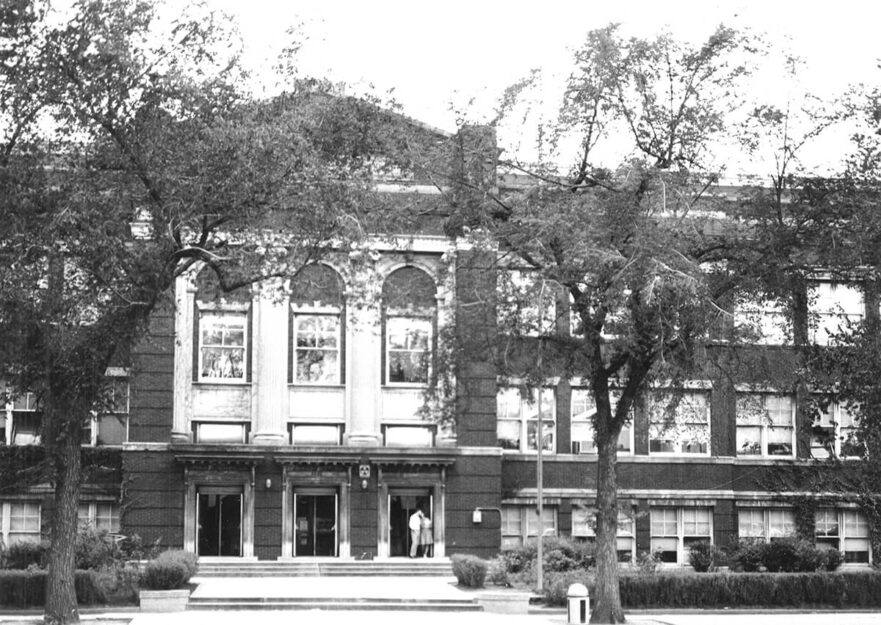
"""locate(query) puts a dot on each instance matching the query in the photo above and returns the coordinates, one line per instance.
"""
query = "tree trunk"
(607, 597)
(61, 606)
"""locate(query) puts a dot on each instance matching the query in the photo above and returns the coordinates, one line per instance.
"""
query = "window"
(856, 537)
(408, 350)
(763, 322)
(679, 423)
(845, 530)
(582, 414)
(520, 522)
(409, 315)
(315, 434)
(19, 521)
(408, 436)
(833, 309)
(765, 424)
(222, 346)
(22, 420)
(674, 530)
(317, 325)
(518, 419)
(834, 432)
(317, 349)
(230, 433)
(102, 516)
(526, 303)
(765, 523)
(584, 526)
(111, 427)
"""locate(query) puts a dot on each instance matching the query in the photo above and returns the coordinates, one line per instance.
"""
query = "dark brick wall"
(153, 502)
(364, 517)
(267, 512)
(472, 482)
(152, 381)
(475, 319)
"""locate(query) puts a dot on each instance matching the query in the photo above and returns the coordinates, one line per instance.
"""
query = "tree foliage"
(131, 154)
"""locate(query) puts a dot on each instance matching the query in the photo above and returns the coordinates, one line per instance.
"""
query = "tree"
(130, 156)
(627, 252)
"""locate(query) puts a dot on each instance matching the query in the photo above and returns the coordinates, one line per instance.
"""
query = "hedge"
(24, 589)
(858, 589)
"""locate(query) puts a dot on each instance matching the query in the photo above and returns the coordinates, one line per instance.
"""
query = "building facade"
(288, 420)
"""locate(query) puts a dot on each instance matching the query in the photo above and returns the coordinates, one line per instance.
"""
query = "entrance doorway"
(315, 522)
(403, 502)
(219, 521)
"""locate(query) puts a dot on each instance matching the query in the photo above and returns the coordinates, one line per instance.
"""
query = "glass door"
(403, 504)
(315, 523)
(219, 522)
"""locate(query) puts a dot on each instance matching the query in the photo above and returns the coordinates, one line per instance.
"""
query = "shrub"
(648, 563)
(559, 554)
(119, 583)
(170, 570)
(132, 547)
(780, 555)
(702, 556)
(27, 588)
(556, 585)
(745, 554)
(498, 571)
(23, 554)
(831, 559)
(470, 571)
(95, 549)
(741, 590)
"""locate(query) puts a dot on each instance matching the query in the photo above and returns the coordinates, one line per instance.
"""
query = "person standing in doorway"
(426, 537)
(415, 525)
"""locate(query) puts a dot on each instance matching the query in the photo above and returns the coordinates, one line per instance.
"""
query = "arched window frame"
(327, 321)
(422, 323)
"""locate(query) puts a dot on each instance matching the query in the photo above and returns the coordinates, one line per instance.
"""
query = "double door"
(219, 521)
(316, 517)
(403, 503)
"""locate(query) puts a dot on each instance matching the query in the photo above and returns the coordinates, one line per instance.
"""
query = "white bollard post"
(578, 601)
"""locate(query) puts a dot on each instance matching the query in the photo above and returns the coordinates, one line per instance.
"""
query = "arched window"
(409, 319)
(317, 326)
(222, 331)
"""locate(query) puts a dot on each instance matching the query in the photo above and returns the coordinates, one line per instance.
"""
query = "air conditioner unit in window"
(583, 447)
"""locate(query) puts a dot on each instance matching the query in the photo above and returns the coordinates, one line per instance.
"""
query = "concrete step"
(406, 568)
(324, 603)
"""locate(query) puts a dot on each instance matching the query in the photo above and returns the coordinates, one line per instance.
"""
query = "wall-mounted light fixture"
(364, 484)
(268, 483)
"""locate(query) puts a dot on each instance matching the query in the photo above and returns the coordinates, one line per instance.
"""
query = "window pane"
(26, 428)
(751, 524)
(112, 429)
(220, 433)
(781, 523)
(408, 341)
(508, 433)
(548, 517)
(315, 435)
(583, 521)
(511, 521)
(696, 522)
(317, 366)
(410, 436)
(826, 522)
(663, 522)
(222, 349)
(666, 548)
(749, 441)
(548, 435)
(508, 403)
(107, 517)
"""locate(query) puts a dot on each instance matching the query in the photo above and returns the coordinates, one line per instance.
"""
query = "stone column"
(184, 309)
(269, 365)
(363, 379)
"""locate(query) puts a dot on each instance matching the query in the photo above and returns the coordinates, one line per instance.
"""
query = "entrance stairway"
(330, 585)
(404, 567)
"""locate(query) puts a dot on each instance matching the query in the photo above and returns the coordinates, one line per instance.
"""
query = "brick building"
(284, 421)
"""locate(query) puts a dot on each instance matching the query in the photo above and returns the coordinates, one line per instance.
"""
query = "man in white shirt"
(415, 525)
